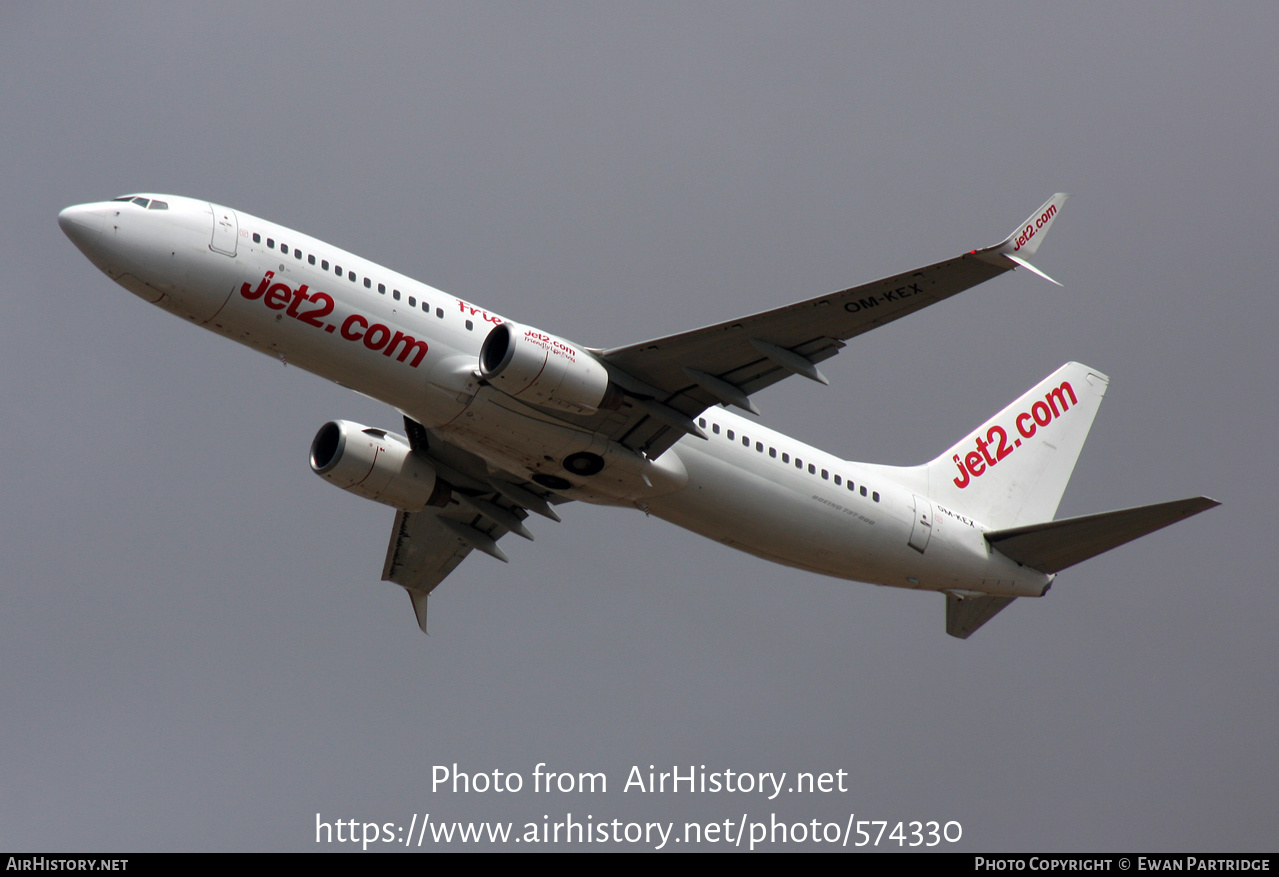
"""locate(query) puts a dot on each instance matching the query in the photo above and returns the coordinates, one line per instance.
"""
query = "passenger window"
(381, 287)
(270, 243)
(395, 294)
(759, 446)
(337, 269)
(701, 421)
(350, 275)
(746, 443)
(297, 254)
(368, 284)
(785, 458)
(863, 490)
(439, 312)
(324, 263)
(469, 325)
(852, 486)
(772, 452)
(730, 435)
(284, 248)
(257, 238)
(715, 428)
(875, 496)
(837, 481)
(812, 470)
(310, 260)
(799, 464)
(426, 308)
(412, 302)
(825, 475)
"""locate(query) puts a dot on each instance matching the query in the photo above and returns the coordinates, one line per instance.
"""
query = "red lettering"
(257, 293)
(975, 463)
(1047, 416)
(1027, 233)
(312, 317)
(1021, 425)
(377, 336)
(1056, 398)
(299, 296)
(1003, 450)
(994, 447)
(410, 344)
(277, 296)
(351, 321)
(982, 446)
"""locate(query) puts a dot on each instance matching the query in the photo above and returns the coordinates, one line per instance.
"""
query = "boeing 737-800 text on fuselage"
(503, 419)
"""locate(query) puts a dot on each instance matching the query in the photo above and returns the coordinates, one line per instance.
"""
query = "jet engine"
(535, 367)
(376, 465)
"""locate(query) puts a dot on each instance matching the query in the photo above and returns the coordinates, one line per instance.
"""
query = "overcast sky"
(198, 653)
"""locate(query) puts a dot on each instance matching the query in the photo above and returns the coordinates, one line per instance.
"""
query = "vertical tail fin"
(1013, 469)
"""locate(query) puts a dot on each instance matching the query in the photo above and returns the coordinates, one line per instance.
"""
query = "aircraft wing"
(422, 553)
(673, 379)
(482, 507)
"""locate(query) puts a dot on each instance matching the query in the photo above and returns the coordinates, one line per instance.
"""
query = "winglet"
(1019, 246)
(1030, 234)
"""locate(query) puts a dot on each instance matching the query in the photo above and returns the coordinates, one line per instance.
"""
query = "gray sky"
(198, 653)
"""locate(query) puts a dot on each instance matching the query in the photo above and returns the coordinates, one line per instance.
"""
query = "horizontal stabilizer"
(967, 612)
(1055, 545)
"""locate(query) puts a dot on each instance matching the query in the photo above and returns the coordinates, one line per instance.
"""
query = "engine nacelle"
(376, 465)
(535, 367)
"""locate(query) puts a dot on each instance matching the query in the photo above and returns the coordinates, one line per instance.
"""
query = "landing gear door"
(922, 529)
(226, 229)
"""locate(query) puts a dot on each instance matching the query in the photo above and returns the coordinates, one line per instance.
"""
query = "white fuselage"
(416, 348)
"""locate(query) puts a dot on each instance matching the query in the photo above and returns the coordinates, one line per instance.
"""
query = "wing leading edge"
(727, 362)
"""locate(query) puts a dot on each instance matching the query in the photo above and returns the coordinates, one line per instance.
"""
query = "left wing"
(427, 546)
(482, 507)
(673, 379)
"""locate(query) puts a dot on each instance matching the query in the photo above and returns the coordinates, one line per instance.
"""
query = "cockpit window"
(123, 198)
(142, 202)
(159, 205)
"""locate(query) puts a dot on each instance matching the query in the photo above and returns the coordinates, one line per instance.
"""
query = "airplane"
(503, 419)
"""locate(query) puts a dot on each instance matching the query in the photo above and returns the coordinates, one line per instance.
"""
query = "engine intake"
(535, 367)
(376, 465)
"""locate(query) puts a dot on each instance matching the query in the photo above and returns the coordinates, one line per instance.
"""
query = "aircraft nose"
(82, 223)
